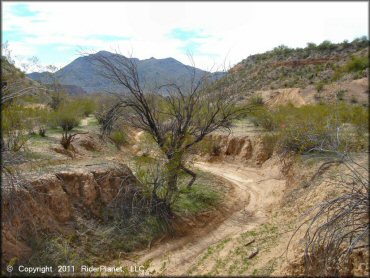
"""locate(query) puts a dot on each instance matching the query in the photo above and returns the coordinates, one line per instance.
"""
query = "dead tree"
(177, 116)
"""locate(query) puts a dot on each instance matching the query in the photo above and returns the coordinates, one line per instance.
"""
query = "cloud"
(16, 36)
(109, 37)
(54, 31)
(184, 35)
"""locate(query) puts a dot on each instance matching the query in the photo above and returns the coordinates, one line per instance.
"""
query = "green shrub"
(119, 138)
(87, 106)
(320, 86)
(18, 122)
(354, 100)
(307, 127)
(256, 100)
(300, 129)
(57, 99)
(208, 146)
(340, 94)
(311, 45)
(262, 117)
(196, 199)
(325, 45)
(356, 64)
(67, 116)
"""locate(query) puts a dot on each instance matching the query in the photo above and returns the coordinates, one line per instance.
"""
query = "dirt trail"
(247, 205)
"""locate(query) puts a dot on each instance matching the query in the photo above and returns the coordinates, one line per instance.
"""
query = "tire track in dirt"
(251, 192)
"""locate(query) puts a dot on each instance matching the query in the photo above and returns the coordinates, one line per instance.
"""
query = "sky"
(217, 34)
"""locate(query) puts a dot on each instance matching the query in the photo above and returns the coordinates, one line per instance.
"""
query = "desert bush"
(256, 100)
(67, 119)
(196, 199)
(338, 226)
(67, 116)
(356, 64)
(300, 129)
(304, 128)
(262, 117)
(208, 146)
(42, 132)
(325, 45)
(282, 50)
(42, 120)
(354, 100)
(18, 123)
(87, 106)
(311, 45)
(269, 142)
(340, 94)
(57, 98)
(119, 138)
(320, 86)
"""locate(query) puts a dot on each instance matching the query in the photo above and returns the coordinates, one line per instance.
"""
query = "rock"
(253, 253)
(250, 242)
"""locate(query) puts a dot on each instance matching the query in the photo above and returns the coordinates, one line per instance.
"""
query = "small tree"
(67, 116)
(88, 106)
(177, 119)
(57, 94)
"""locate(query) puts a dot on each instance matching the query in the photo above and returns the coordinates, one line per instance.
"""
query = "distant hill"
(314, 65)
(81, 72)
(15, 82)
(72, 90)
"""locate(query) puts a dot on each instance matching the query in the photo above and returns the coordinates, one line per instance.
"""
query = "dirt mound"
(251, 150)
(53, 202)
(70, 152)
(79, 146)
(358, 266)
(88, 142)
(353, 91)
(284, 96)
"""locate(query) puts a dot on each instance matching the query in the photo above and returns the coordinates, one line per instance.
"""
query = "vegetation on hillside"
(285, 67)
(302, 129)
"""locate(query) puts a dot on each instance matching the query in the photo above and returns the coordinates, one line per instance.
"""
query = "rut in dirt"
(252, 193)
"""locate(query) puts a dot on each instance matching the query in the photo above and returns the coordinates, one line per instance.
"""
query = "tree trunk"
(191, 173)
(173, 168)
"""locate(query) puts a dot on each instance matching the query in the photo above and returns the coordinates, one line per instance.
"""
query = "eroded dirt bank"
(250, 150)
(54, 203)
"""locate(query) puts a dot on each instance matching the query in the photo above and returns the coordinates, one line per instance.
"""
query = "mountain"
(72, 90)
(85, 74)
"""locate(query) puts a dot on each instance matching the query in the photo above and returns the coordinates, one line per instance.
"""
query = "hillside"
(313, 66)
(69, 89)
(83, 73)
(15, 83)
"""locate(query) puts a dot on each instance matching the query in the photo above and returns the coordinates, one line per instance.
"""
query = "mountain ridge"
(82, 73)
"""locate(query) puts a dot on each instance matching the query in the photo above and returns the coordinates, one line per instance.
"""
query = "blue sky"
(213, 32)
(22, 10)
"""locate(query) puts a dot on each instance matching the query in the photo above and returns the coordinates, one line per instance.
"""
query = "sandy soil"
(252, 194)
